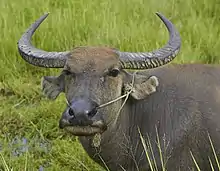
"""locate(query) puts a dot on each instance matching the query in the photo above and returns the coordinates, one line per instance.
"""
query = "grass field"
(29, 135)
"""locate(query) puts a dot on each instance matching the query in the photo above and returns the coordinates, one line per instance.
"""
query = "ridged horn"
(36, 56)
(162, 56)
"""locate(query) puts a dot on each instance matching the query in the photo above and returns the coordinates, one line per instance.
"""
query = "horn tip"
(46, 14)
(159, 14)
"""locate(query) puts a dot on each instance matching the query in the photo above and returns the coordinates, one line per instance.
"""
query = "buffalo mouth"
(85, 130)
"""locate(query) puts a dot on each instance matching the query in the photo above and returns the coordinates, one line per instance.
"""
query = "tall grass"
(127, 25)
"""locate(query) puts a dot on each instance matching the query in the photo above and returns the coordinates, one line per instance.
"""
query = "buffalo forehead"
(91, 58)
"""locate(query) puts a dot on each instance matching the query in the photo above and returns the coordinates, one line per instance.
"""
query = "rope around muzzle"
(128, 90)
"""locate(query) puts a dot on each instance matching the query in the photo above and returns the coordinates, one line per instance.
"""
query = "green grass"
(127, 25)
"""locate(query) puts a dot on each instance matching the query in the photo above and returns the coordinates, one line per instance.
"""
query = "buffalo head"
(92, 76)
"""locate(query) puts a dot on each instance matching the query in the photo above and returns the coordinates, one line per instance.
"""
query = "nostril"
(92, 112)
(71, 112)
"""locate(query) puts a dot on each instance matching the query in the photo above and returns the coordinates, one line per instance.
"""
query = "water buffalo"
(176, 104)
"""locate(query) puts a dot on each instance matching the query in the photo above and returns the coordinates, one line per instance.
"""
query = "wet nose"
(79, 113)
(84, 108)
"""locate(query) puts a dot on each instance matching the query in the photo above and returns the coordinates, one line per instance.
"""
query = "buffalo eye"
(114, 72)
(71, 112)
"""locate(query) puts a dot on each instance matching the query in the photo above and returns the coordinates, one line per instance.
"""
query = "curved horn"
(36, 56)
(147, 60)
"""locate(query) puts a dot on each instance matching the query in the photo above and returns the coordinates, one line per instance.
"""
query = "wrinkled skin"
(182, 108)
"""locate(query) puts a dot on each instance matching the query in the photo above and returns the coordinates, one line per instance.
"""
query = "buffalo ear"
(144, 89)
(52, 86)
(143, 85)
